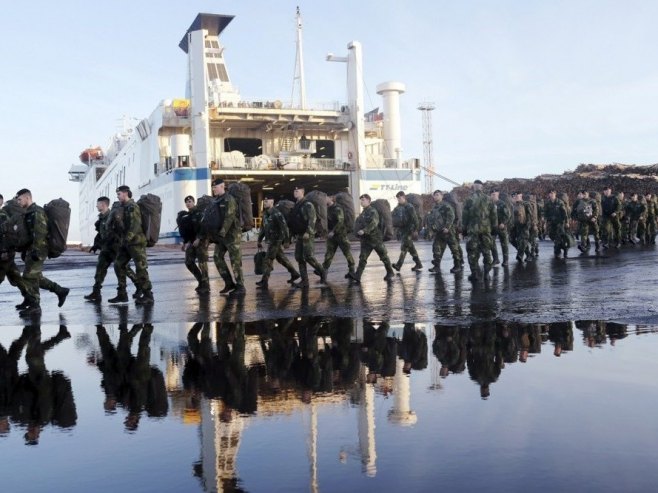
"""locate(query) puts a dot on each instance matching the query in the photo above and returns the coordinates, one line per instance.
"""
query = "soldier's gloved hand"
(360, 232)
(195, 243)
(34, 255)
(331, 235)
(305, 236)
(93, 249)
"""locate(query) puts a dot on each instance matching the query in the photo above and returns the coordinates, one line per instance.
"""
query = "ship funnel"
(390, 93)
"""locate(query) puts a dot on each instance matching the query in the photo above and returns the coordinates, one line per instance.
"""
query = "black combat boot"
(323, 276)
(61, 296)
(137, 294)
(121, 297)
(417, 265)
(496, 260)
(396, 266)
(457, 268)
(293, 277)
(146, 298)
(203, 287)
(505, 261)
(263, 283)
(390, 275)
(350, 273)
(95, 295)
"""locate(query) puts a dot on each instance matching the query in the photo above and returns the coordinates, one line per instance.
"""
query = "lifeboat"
(91, 154)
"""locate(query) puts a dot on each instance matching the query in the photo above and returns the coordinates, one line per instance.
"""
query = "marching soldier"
(407, 223)
(479, 217)
(127, 225)
(501, 231)
(302, 219)
(230, 237)
(612, 210)
(441, 221)
(8, 268)
(367, 229)
(36, 223)
(107, 242)
(557, 221)
(196, 257)
(520, 226)
(275, 231)
(337, 236)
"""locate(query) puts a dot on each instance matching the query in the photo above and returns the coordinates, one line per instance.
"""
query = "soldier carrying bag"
(259, 262)
(58, 213)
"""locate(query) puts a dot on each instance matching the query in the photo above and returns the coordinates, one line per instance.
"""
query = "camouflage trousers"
(479, 243)
(9, 270)
(611, 230)
(275, 252)
(558, 233)
(584, 228)
(635, 226)
(407, 245)
(33, 280)
(138, 255)
(520, 238)
(304, 255)
(234, 255)
(650, 231)
(196, 260)
(333, 243)
(105, 259)
(503, 237)
(642, 230)
(367, 246)
(439, 246)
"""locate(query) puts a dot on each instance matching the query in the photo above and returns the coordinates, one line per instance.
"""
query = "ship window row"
(211, 43)
(217, 71)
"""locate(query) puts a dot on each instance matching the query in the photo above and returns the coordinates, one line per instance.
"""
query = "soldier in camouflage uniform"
(368, 230)
(635, 211)
(230, 237)
(275, 231)
(441, 222)
(557, 221)
(520, 226)
(107, 242)
(196, 256)
(586, 212)
(612, 209)
(36, 223)
(478, 218)
(407, 224)
(652, 212)
(337, 236)
(501, 231)
(126, 224)
(302, 222)
(533, 225)
(8, 268)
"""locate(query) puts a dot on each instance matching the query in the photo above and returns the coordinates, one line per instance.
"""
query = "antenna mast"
(428, 159)
(299, 65)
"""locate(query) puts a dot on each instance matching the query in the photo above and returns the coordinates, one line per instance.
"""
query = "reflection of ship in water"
(229, 372)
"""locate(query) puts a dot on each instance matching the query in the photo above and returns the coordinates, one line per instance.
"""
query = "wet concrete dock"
(615, 286)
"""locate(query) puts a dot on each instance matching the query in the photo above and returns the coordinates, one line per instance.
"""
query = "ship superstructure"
(270, 144)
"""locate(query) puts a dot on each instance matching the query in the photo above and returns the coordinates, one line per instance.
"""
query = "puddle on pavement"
(329, 404)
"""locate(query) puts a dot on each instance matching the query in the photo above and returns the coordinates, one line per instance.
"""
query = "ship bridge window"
(325, 149)
(217, 71)
(248, 147)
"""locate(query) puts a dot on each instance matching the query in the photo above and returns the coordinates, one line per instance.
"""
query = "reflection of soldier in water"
(313, 367)
(345, 353)
(413, 348)
(561, 335)
(508, 341)
(594, 332)
(530, 340)
(220, 371)
(40, 397)
(484, 357)
(9, 377)
(449, 347)
(130, 381)
(378, 351)
(279, 350)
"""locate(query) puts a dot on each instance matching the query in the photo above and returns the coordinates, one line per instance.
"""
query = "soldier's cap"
(399, 194)
(607, 187)
(23, 191)
(437, 191)
(366, 196)
(552, 190)
(495, 190)
(123, 188)
(299, 187)
(217, 181)
(268, 197)
(190, 198)
(478, 182)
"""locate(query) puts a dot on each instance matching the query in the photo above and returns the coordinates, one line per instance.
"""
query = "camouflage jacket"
(303, 216)
(409, 218)
(635, 210)
(479, 215)
(127, 224)
(368, 221)
(503, 212)
(7, 245)
(228, 211)
(274, 227)
(36, 223)
(611, 205)
(556, 211)
(336, 220)
(442, 216)
(105, 236)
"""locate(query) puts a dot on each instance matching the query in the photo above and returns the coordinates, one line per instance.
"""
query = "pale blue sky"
(521, 87)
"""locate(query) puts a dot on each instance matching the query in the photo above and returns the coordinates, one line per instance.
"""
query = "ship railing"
(282, 164)
(286, 105)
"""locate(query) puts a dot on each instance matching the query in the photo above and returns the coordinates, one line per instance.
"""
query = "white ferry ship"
(269, 144)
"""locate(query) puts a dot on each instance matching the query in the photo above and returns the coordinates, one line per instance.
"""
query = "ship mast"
(299, 66)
